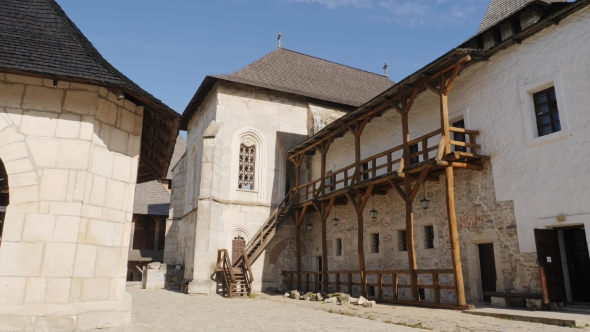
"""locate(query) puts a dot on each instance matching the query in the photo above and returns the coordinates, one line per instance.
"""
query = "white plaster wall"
(544, 177)
(71, 153)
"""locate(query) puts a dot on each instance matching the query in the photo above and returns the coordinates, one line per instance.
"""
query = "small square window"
(338, 247)
(414, 149)
(371, 291)
(402, 243)
(429, 237)
(375, 243)
(546, 112)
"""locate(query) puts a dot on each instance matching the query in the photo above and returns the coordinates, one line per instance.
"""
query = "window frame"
(375, 243)
(429, 237)
(251, 163)
(402, 237)
(551, 111)
(338, 245)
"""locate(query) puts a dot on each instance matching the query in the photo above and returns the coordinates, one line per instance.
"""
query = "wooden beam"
(452, 79)
(365, 199)
(411, 100)
(324, 249)
(418, 184)
(298, 247)
(352, 200)
(398, 189)
(361, 246)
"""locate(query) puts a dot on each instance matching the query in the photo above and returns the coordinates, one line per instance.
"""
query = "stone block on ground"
(295, 295)
(362, 301)
(331, 300)
(370, 304)
(354, 300)
(287, 295)
(319, 297)
(307, 296)
(344, 299)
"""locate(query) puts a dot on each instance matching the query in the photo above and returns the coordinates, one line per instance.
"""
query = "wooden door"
(237, 247)
(578, 262)
(549, 258)
(487, 264)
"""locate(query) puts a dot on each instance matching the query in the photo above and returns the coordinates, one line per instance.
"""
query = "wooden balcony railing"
(389, 161)
(345, 281)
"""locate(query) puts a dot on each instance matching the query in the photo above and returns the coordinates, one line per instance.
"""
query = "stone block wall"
(71, 153)
(481, 219)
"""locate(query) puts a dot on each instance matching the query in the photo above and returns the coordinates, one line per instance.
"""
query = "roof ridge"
(334, 62)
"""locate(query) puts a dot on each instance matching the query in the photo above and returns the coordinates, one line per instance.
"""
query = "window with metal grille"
(402, 243)
(546, 112)
(247, 167)
(375, 243)
(414, 149)
(338, 247)
(459, 136)
(371, 291)
(429, 237)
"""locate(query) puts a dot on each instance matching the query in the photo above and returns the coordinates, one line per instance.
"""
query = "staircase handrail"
(247, 268)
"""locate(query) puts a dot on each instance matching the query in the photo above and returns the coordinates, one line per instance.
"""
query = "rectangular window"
(375, 243)
(365, 168)
(338, 247)
(422, 294)
(429, 237)
(459, 136)
(247, 167)
(546, 112)
(414, 149)
(402, 243)
(371, 291)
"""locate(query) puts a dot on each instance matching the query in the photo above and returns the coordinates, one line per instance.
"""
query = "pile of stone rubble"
(336, 298)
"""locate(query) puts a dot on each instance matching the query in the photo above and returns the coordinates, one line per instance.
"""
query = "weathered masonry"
(76, 136)
(474, 136)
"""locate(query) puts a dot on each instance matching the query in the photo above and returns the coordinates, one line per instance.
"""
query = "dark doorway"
(320, 269)
(549, 258)
(3, 196)
(578, 263)
(487, 265)
(237, 247)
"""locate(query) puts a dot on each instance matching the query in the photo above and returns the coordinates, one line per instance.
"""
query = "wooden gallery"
(457, 184)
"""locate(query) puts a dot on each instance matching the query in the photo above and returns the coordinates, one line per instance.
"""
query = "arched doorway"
(3, 196)
(237, 246)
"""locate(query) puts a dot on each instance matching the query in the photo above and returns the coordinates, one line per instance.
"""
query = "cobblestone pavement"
(170, 311)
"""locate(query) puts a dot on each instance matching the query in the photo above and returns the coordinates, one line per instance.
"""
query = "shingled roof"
(39, 39)
(498, 10)
(299, 74)
(151, 197)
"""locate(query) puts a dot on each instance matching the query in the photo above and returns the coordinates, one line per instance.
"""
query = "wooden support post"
(394, 281)
(324, 252)
(450, 190)
(298, 248)
(436, 287)
(409, 213)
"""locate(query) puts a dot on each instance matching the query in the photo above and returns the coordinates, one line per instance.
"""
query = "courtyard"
(159, 310)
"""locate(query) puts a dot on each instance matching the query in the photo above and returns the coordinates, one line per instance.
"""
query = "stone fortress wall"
(71, 153)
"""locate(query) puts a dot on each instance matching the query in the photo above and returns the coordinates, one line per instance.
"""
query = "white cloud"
(333, 4)
(410, 12)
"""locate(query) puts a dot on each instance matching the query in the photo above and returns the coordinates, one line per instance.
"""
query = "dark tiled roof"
(291, 140)
(37, 38)
(498, 10)
(296, 73)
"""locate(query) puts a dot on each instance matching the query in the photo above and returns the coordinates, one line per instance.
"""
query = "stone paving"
(159, 310)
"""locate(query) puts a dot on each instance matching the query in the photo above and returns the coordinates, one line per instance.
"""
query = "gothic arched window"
(247, 169)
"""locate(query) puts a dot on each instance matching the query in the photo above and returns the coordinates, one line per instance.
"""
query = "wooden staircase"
(237, 278)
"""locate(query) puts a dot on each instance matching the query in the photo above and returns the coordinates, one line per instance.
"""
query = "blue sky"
(168, 47)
